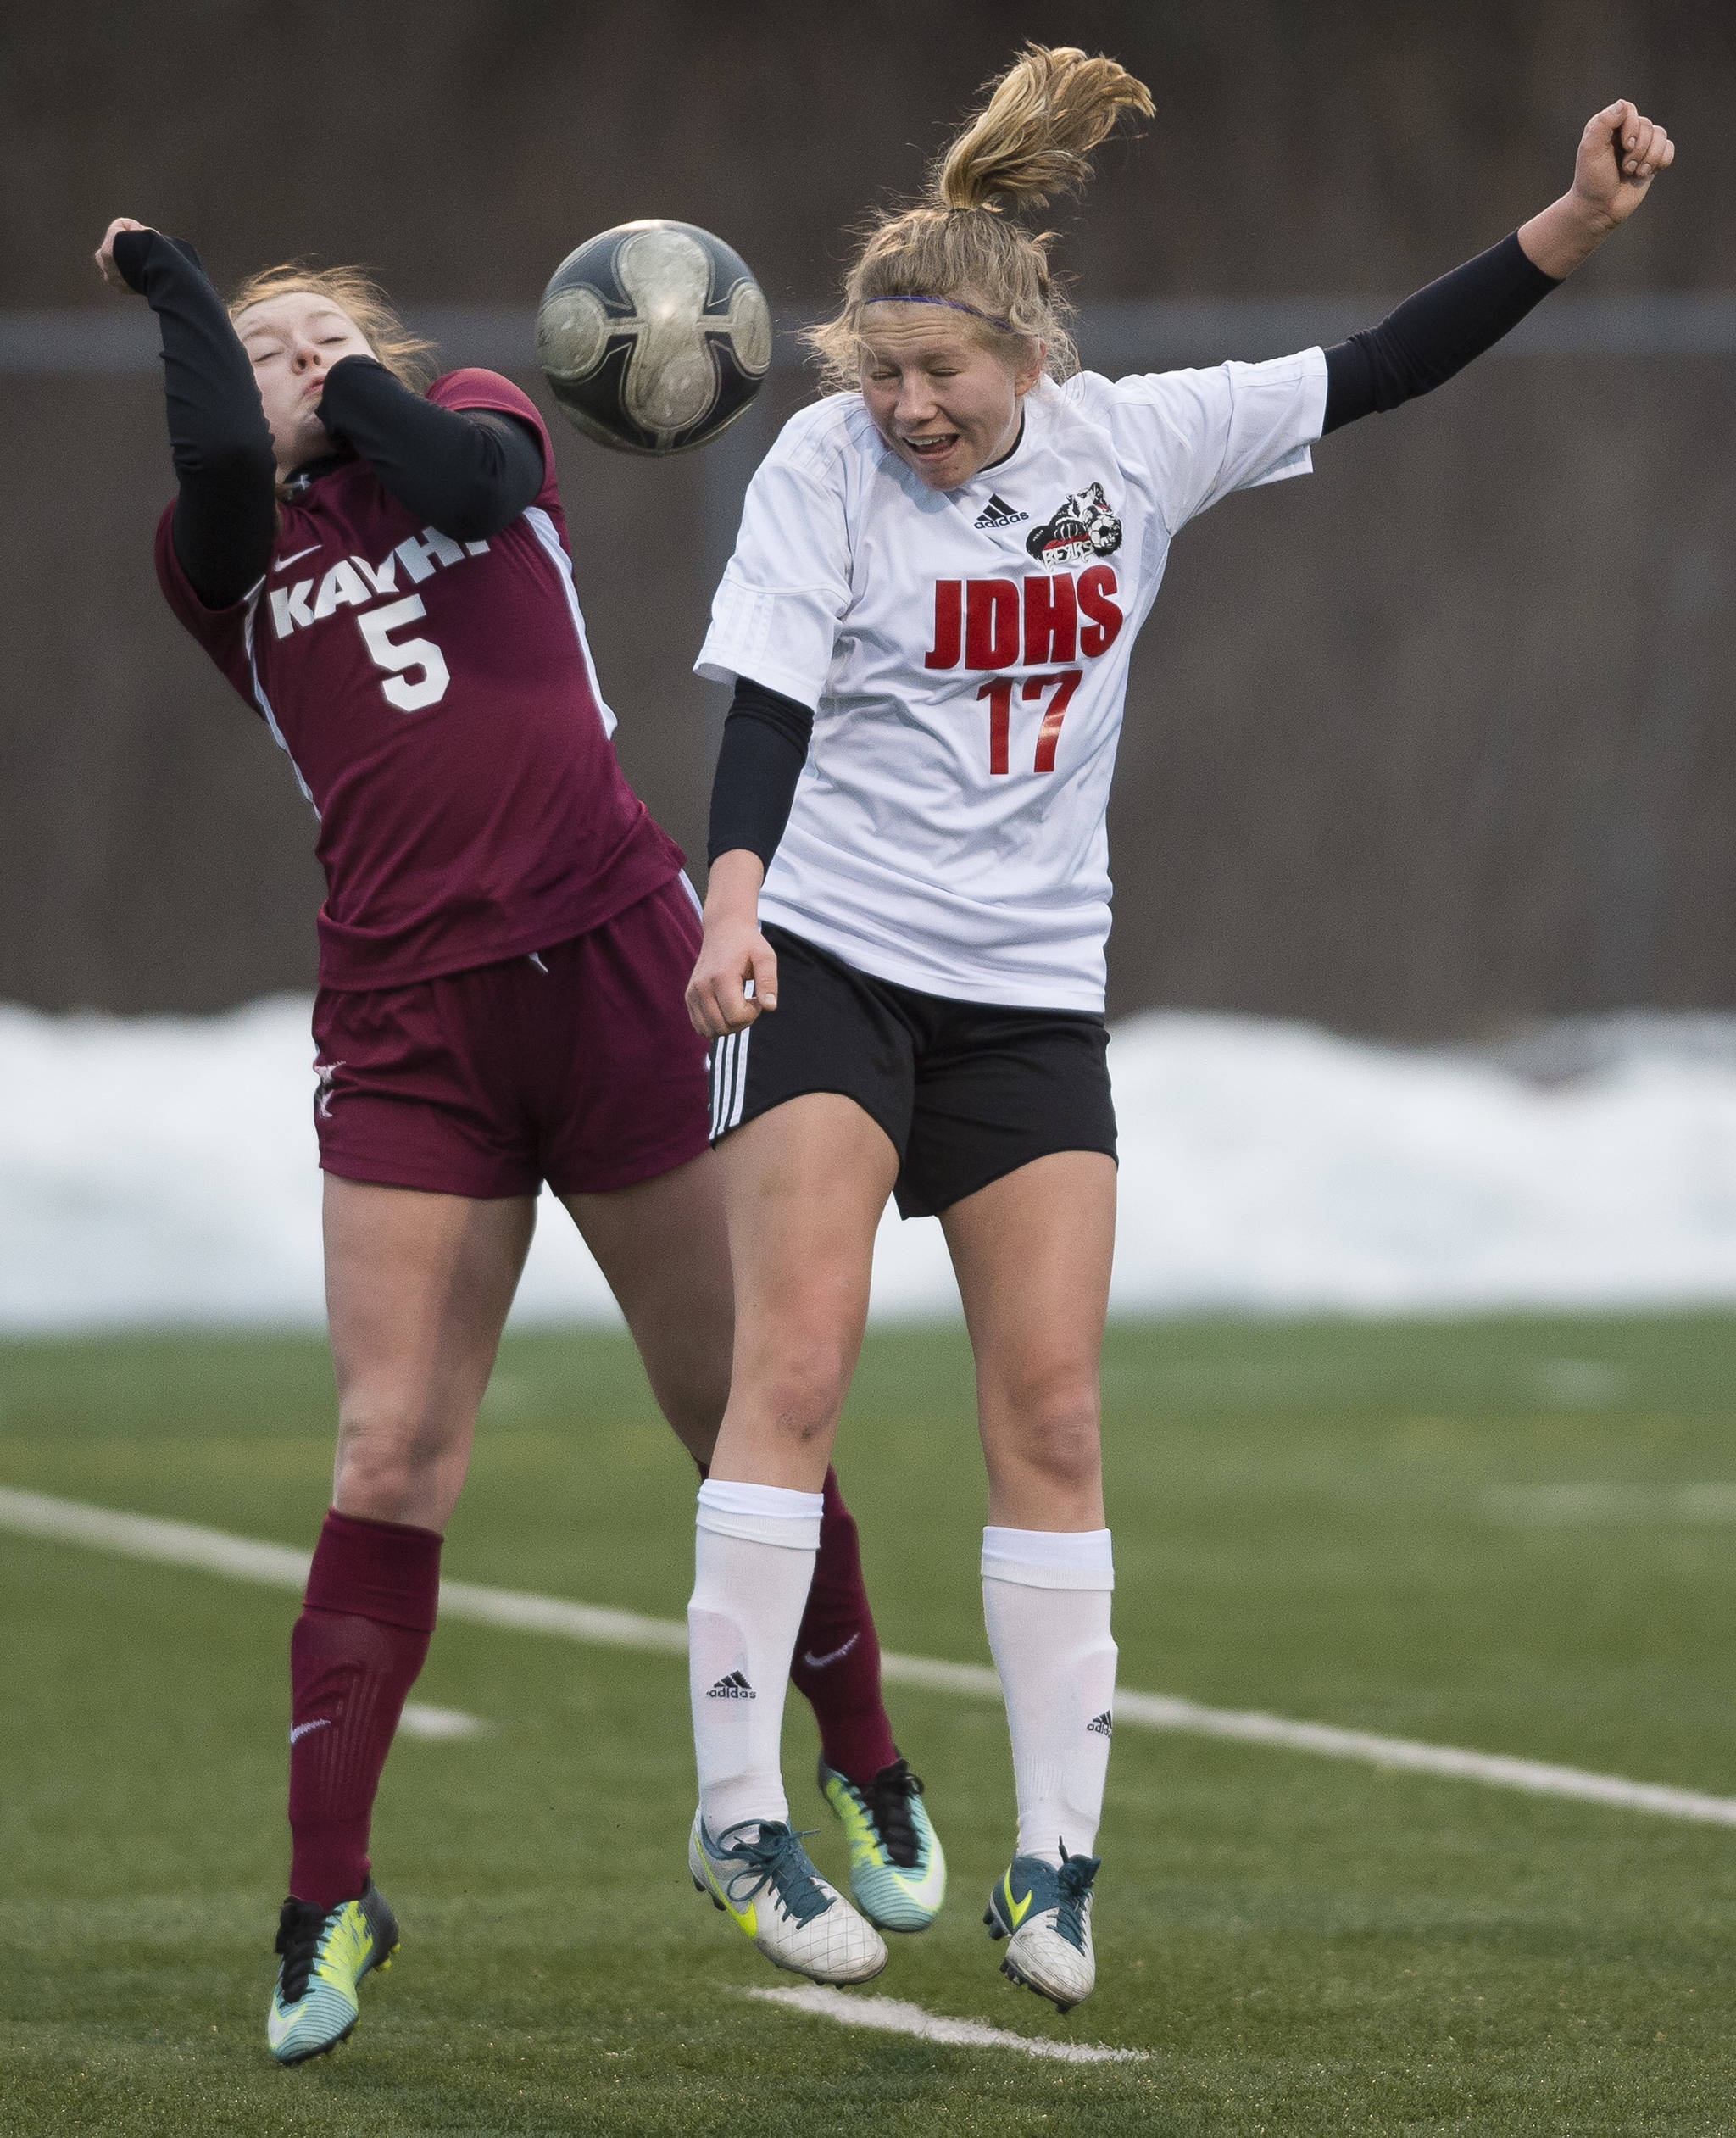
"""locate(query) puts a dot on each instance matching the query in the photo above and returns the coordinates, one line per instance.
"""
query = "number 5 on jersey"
(999, 693)
(402, 659)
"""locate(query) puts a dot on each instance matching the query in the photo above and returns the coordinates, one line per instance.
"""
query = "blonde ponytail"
(1032, 140)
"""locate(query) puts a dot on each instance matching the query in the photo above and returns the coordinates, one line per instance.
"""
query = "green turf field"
(1353, 1525)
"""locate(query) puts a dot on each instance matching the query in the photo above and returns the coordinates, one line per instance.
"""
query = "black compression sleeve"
(226, 517)
(468, 471)
(765, 741)
(1433, 334)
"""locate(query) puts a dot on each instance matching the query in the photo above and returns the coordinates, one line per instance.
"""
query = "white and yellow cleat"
(898, 1867)
(325, 1953)
(759, 1874)
(1044, 1914)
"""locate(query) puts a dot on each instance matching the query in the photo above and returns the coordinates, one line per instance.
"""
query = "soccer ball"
(654, 337)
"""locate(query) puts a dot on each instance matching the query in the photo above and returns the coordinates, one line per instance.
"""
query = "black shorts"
(966, 1091)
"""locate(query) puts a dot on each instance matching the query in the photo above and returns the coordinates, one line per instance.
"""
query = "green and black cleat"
(898, 1867)
(324, 1954)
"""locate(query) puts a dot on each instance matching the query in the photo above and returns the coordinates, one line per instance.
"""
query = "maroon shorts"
(577, 1067)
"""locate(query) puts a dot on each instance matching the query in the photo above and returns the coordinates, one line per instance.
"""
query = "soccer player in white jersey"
(941, 571)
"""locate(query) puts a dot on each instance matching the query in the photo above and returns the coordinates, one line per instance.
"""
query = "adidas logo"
(998, 513)
(734, 1687)
(1102, 1724)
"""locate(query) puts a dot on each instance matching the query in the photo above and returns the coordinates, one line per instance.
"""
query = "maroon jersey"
(438, 702)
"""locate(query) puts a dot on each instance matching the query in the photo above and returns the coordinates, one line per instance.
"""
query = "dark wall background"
(1436, 741)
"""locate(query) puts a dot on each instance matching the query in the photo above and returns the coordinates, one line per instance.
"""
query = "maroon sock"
(836, 1663)
(356, 1651)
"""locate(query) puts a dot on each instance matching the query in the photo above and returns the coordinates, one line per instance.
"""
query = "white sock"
(1046, 1604)
(752, 1561)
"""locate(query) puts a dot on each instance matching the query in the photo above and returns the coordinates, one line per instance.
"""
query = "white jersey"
(964, 653)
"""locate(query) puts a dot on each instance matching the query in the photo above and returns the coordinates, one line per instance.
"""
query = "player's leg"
(417, 1290)
(1033, 1252)
(897, 1867)
(804, 1184)
(633, 1083)
(663, 1247)
(663, 1244)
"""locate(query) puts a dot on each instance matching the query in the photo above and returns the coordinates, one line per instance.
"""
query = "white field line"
(182, 1543)
(1164, 1711)
(281, 1565)
(1564, 1507)
(420, 1719)
(889, 2015)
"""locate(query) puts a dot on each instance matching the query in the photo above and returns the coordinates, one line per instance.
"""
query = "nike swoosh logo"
(748, 1915)
(283, 563)
(301, 1729)
(1018, 1910)
(818, 1662)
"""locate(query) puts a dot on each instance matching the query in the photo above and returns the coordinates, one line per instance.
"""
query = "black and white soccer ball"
(654, 337)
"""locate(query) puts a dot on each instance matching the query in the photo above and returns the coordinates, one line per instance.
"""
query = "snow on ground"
(161, 1170)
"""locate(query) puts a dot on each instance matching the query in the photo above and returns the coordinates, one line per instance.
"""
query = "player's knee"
(386, 1463)
(802, 1400)
(1055, 1428)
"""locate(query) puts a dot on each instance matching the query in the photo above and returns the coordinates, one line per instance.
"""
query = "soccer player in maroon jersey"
(383, 575)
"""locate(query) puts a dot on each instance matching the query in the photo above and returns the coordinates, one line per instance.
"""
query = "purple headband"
(953, 304)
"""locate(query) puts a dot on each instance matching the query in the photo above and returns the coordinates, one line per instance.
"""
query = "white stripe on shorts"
(720, 1056)
(726, 1074)
(729, 1082)
(734, 1115)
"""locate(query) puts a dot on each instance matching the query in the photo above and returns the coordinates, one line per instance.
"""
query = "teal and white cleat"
(1044, 1914)
(325, 1953)
(898, 1867)
(759, 1874)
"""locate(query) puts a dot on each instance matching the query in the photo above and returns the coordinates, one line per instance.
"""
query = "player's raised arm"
(468, 471)
(1442, 327)
(225, 515)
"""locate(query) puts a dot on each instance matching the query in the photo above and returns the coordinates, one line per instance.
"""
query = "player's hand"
(737, 975)
(1620, 154)
(1621, 151)
(105, 254)
(735, 979)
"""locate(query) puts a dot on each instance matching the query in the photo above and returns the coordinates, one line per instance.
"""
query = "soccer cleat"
(758, 1873)
(898, 1867)
(1044, 1914)
(325, 1953)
